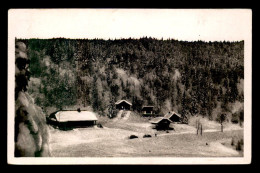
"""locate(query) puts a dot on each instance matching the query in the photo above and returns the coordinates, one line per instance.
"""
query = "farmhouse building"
(173, 116)
(70, 119)
(161, 123)
(123, 105)
(147, 110)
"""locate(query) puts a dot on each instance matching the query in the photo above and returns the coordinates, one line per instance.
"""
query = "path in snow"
(118, 116)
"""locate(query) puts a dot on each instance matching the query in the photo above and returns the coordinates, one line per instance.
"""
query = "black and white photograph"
(129, 86)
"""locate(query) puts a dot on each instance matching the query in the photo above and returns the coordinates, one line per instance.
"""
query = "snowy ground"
(113, 140)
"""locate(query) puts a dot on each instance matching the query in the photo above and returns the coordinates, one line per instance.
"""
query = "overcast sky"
(190, 25)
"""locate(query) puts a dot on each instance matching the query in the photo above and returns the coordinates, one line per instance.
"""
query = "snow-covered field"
(113, 140)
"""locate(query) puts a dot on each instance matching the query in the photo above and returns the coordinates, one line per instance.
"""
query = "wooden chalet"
(71, 119)
(173, 116)
(147, 110)
(161, 123)
(123, 105)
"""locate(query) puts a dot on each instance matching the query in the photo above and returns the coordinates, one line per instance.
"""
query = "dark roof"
(170, 114)
(158, 119)
(146, 107)
(120, 101)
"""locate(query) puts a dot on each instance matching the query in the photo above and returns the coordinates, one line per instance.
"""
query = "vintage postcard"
(129, 86)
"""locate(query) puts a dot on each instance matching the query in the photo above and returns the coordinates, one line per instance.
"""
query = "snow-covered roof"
(147, 106)
(158, 119)
(120, 101)
(170, 114)
(64, 116)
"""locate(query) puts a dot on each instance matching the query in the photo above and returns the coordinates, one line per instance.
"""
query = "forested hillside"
(191, 78)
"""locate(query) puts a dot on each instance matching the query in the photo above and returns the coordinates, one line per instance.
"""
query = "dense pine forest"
(191, 78)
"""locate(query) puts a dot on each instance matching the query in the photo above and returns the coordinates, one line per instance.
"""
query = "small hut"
(161, 123)
(147, 110)
(123, 105)
(173, 116)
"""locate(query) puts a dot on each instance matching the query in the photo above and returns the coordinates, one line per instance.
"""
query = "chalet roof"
(158, 119)
(147, 106)
(170, 114)
(144, 107)
(64, 116)
(120, 101)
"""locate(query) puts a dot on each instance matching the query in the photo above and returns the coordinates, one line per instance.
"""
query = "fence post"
(201, 130)
(198, 126)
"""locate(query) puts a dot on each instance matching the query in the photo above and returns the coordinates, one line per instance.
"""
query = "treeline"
(191, 78)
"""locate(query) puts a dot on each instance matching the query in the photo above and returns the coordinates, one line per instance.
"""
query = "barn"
(147, 110)
(123, 105)
(72, 119)
(161, 123)
(173, 116)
